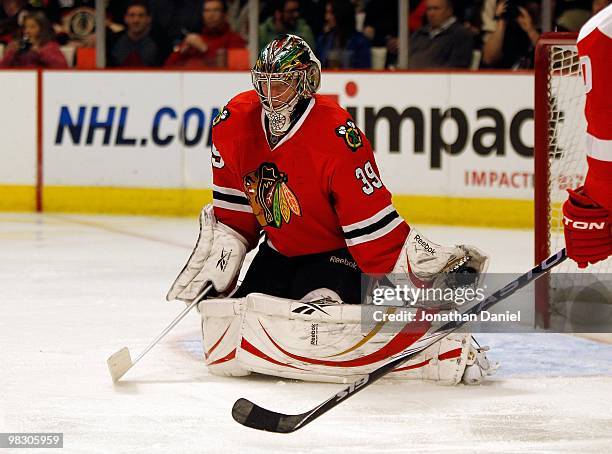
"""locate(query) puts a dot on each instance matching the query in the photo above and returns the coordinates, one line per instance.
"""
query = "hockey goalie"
(292, 165)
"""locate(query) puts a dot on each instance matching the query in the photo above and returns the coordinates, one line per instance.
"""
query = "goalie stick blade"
(251, 415)
(119, 363)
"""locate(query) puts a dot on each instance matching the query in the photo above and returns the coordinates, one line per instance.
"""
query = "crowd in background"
(359, 34)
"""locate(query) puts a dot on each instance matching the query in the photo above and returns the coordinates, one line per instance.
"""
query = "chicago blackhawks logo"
(221, 116)
(270, 197)
(80, 22)
(350, 134)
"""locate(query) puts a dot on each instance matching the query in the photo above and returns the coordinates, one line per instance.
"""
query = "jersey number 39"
(368, 177)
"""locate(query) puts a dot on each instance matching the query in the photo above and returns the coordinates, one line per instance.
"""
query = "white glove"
(423, 264)
(216, 258)
(427, 260)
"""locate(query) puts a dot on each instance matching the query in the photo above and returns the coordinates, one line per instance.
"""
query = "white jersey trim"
(293, 130)
(598, 148)
(371, 220)
(375, 235)
(269, 243)
(602, 20)
(232, 206)
(228, 191)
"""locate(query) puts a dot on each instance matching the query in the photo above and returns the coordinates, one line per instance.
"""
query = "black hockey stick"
(251, 415)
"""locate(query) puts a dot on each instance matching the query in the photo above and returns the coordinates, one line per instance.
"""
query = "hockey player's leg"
(221, 335)
(324, 340)
(334, 273)
(327, 274)
(270, 272)
(318, 341)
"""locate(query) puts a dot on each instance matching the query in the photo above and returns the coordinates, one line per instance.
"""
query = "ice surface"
(75, 289)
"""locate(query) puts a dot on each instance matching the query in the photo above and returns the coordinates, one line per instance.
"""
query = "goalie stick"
(251, 415)
(121, 361)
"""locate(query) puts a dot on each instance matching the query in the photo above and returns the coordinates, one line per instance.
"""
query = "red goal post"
(545, 129)
(544, 132)
(560, 164)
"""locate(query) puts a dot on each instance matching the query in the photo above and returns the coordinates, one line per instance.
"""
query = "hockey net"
(560, 164)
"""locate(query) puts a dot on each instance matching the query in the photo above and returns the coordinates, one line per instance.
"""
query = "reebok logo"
(224, 259)
(581, 225)
(424, 244)
(343, 261)
(314, 334)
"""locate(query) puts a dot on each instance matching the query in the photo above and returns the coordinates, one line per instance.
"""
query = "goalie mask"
(286, 71)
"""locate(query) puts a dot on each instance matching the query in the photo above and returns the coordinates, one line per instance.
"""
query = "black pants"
(293, 277)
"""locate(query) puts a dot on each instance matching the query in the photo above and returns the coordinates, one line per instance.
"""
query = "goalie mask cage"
(560, 164)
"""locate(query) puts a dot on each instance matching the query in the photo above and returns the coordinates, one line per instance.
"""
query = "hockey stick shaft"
(120, 362)
(256, 417)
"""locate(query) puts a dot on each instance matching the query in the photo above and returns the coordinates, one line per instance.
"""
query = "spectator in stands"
(116, 9)
(209, 48)
(512, 43)
(486, 22)
(36, 47)
(285, 19)
(341, 45)
(135, 46)
(172, 21)
(12, 13)
(473, 20)
(238, 17)
(444, 42)
(313, 12)
(380, 27)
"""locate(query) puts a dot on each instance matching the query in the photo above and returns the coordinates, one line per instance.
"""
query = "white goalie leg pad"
(478, 365)
(221, 335)
(326, 341)
(443, 362)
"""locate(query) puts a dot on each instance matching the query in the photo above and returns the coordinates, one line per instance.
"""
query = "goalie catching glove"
(587, 229)
(216, 258)
(424, 264)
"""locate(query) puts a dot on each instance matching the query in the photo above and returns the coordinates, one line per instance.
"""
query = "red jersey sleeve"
(374, 232)
(595, 49)
(230, 204)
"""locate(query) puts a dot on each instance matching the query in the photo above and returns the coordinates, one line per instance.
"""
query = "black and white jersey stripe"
(372, 228)
(230, 199)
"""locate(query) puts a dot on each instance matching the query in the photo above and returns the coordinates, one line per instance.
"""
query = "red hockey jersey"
(595, 50)
(317, 190)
